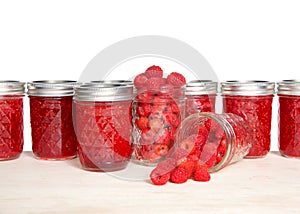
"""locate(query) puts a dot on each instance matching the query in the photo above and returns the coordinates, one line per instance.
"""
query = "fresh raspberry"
(171, 119)
(189, 165)
(140, 80)
(179, 175)
(144, 109)
(176, 79)
(201, 173)
(158, 178)
(202, 130)
(161, 149)
(154, 71)
(142, 123)
(154, 83)
(208, 154)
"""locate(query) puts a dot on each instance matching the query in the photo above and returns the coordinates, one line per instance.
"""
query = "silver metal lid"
(103, 92)
(11, 87)
(289, 87)
(121, 82)
(51, 88)
(201, 87)
(247, 88)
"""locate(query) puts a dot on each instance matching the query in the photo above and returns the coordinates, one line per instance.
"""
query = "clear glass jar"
(52, 131)
(156, 117)
(200, 96)
(11, 119)
(252, 100)
(215, 140)
(103, 124)
(289, 118)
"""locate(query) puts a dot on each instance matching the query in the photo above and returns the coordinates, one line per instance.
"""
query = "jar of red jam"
(214, 140)
(11, 119)
(252, 100)
(289, 118)
(156, 116)
(200, 96)
(103, 126)
(52, 131)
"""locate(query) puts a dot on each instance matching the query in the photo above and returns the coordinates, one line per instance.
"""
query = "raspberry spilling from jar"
(156, 113)
(196, 154)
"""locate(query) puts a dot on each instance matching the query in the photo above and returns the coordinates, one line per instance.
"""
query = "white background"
(241, 39)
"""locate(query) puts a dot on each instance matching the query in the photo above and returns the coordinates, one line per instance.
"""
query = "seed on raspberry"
(201, 173)
(140, 80)
(176, 79)
(154, 71)
(179, 175)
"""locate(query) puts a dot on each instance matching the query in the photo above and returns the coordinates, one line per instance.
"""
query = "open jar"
(289, 118)
(252, 100)
(156, 116)
(214, 140)
(11, 119)
(52, 131)
(200, 96)
(103, 126)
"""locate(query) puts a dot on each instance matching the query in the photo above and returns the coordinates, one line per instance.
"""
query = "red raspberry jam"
(200, 96)
(252, 100)
(103, 126)
(156, 117)
(213, 140)
(289, 118)
(11, 119)
(52, 131)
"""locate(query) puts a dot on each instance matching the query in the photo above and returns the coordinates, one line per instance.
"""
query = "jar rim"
(12, 87)
(201, 87)
(289, 87)
(49, 88)
(248, 87)
(125, 82)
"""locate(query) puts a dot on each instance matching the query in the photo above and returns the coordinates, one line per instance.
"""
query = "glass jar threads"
(289, 118)
(103, 126)
(200, 96)
(52, 131)
(214, 140)
(11, 119)
(156, 116)
(252, 100)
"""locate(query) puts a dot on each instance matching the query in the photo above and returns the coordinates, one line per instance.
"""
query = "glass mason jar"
(156, 117)
(214, 140)
(52, 131)
(252, 100)
(200, 96)
(11, 119)
(103, 126)
(289, 118)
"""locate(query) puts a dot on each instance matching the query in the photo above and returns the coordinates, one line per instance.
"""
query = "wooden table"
(268, 185)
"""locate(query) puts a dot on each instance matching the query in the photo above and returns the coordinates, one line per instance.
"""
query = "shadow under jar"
(52, 130)
(289, 118)
(200, 96)
(11, 119)
(252, 100)
(103, 126)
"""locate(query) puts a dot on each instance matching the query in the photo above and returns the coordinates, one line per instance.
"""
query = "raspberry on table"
(158, 178)
(179, 175)
(201, 173)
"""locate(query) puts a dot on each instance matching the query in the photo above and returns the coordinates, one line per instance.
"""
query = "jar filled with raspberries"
(158, 109)
(11, 119)
(200, 96)
(289, 118)
(103, 126)
(206, 142)
(252, 100)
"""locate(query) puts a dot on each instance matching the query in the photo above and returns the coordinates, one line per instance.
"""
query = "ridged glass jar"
(289, 118)
(103, 125)
(11, 119)
(200, 96)
(252, 100)
(214, 140)
(52, 131)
